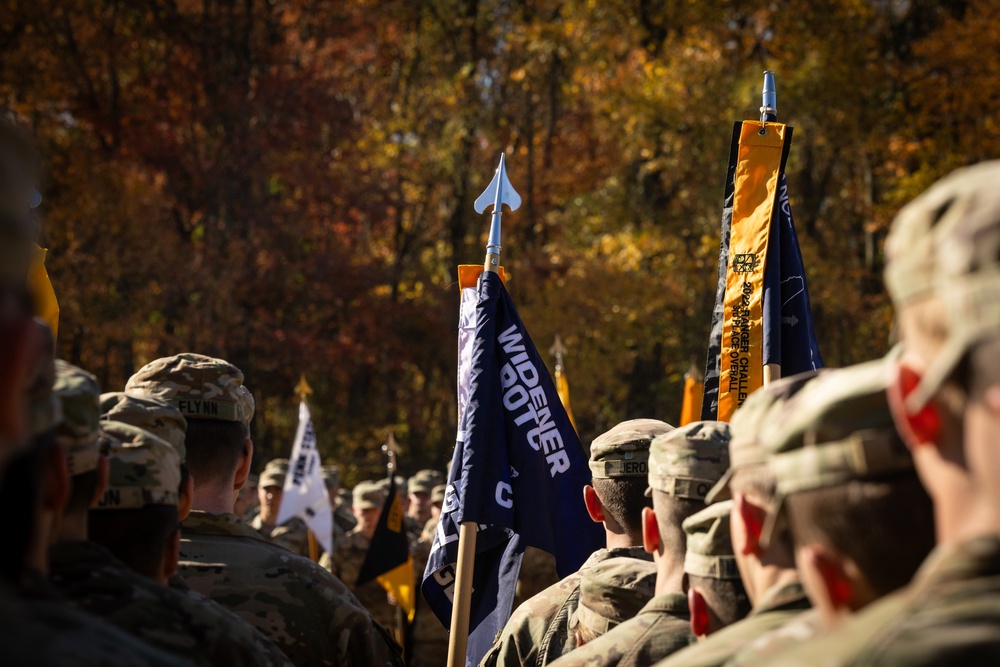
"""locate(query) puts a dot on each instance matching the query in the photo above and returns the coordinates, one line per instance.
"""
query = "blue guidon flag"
(518, 469)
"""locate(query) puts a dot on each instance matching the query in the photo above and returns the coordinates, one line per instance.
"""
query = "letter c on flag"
(503, 496)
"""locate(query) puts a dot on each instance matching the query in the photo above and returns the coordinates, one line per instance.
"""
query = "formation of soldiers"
(847, 516)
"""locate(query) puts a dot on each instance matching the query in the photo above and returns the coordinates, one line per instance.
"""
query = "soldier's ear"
(650, 531)
(243, 467)
(919, 428)
(747, 540)
(698, 608)
(186, 498)
(829, 571)
(594, 507)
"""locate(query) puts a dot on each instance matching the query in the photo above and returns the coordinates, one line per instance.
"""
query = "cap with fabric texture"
(150, 414)
(836, 430)
(78, 392)
(688, 461)
(425, 481)
(946, 242)
(331, 475)
(200, 387)
(710, 544)
(44, 409)
(143, 470)
(274, 473)
(613, 591)
(624, 450)
(750, 426)
(367, 495)
(437, 493)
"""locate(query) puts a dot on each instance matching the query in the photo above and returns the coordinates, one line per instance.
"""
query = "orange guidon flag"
(758, 165)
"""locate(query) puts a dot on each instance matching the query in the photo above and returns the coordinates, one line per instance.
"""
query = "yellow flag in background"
(562, 388)
(42, 293)
(694, 389)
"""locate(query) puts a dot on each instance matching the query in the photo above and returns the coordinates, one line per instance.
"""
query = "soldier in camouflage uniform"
(845, 480)
(137, 519)
(421, 485)
(611, 592)
(349, 555)
(716, 596)
(343, 517)
(429, 636)
(162, 420)
(766, 561)
(684, 464)
(538, 630)
(943, 274)
(437, 502)
(293, 534)
(307, 612)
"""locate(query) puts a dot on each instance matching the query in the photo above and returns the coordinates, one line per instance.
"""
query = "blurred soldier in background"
(293, 534)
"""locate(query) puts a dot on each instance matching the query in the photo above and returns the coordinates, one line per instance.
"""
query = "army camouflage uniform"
(349, 556)
(195, 629)
(764, 650)
(429, 644)
(779, 605)
(611, 593)
(293, 534)
(683, 463)
(941, 245)
(307, 612)
(538, 630)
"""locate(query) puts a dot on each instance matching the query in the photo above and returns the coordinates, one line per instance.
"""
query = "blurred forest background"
(289, 183)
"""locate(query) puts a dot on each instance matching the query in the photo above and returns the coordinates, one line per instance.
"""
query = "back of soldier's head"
(684, 465)
(77, 433)
(710, 567)
(210, 394)
(846, 479)
(943, 274)
(619, 464)
(137, 516)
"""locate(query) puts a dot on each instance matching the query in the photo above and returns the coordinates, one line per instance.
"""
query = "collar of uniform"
(966, 560)
(602, 555)
(79, 553)
(781, 598)
(208, 523)
(667, 603)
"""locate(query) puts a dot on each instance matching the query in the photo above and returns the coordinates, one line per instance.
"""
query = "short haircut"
(623, 499)
(137, 537)
(671, 512)
(886, 526)
(726, 599)
(214, 448)
(82, 488)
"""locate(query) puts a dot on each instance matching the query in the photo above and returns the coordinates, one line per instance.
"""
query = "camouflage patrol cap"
(838, 429)
(437, 494)
(946, 242)
(200, 387)
(274, 473)
(624, 450)
(709, 543)
(369, 494)
(425, 481)
(44, 409)
(143, 470)
(402, 485)
(331, 475)
(688, 461)
(613, 591)
(345, 496)
(750, 425)
(150, 414)
(78, 393)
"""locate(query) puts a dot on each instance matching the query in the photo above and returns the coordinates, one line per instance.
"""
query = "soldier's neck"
(209, 498)
(618, 540)
(669, 574)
